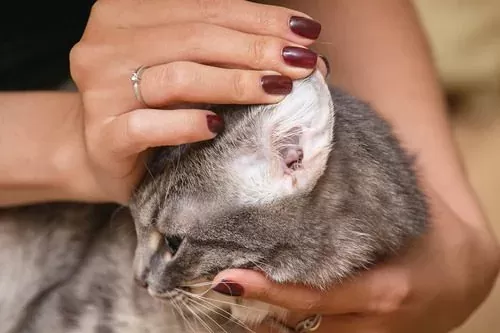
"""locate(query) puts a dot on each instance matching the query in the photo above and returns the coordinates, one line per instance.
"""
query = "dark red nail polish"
(228, 288)
(276, 84)
(305, 27)
(215, 123)
(299, 57)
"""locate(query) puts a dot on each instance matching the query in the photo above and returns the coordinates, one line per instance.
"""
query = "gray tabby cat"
(310, 190)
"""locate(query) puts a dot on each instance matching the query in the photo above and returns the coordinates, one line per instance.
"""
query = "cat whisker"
(225, 314)
(203, 284)
(181, 313)
(150, 173)
(221, 301)
(211, 310)
(197, 317)
(199, 284)
(259, 263)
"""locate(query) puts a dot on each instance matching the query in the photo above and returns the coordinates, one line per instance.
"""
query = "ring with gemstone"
(136, 78)
(310, 324)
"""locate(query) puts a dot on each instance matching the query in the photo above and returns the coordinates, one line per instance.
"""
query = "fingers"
(210, 44)
(378, 291)
(179, 82)
(256, 286)
(135, 131)
(243, 16)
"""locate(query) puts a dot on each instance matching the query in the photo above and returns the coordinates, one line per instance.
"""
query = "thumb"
(254, 285)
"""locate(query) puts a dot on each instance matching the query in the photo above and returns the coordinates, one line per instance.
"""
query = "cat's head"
(237, 201)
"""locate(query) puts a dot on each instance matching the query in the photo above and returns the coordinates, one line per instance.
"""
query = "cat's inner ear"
(293, 144)
(289, 152)
(299, 133)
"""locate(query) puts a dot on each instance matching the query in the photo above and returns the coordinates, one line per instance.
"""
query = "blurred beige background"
(465, 37)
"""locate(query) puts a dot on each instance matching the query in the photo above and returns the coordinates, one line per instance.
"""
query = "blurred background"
(465, 37)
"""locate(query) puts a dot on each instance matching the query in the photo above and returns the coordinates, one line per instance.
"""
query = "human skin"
(95, 141)
(443, 279)
(385, 60)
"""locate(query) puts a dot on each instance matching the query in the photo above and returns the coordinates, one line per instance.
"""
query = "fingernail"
(276, 84)
(228, 288)
(215, 123)
(299, 57)
(305, 27)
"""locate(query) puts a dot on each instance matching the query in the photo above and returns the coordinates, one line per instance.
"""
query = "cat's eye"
(173, 242)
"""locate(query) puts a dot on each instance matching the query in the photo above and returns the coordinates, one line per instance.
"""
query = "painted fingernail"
(305, 27)
(215, 123)
(299, 57)
(228, 288)
(276, 84)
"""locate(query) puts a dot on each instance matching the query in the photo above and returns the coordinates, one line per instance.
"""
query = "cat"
(310, 190)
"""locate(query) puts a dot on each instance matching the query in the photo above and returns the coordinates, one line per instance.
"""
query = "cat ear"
(300, 133)
(294, 144)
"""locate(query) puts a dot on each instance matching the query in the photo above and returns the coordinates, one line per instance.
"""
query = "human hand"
(432, 288)
(211, 51)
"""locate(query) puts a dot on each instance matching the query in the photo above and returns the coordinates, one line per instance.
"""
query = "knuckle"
(392, 299)
(266, 19)
(258, 51)
(136, 133)
(75, 59)
(192, 36)
(189, 131)
(264, 293)
(309, 304)
(165, 79)
(172, 79)
(80, 58)
(211, 9)
(240, 88)
(86, 62)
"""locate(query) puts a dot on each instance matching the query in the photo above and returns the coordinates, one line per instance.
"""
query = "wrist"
(42, 150)
(75, 179)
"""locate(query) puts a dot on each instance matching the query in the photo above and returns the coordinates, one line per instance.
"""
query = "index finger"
(370, 292)
(239, 15)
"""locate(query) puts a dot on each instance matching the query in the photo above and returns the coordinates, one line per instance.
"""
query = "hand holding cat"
(429, 289)
(220, 52)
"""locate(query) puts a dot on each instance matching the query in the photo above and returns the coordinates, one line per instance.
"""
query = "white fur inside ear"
(294, 146)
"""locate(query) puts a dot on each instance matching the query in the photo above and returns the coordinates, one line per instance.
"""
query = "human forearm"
(41, 148)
